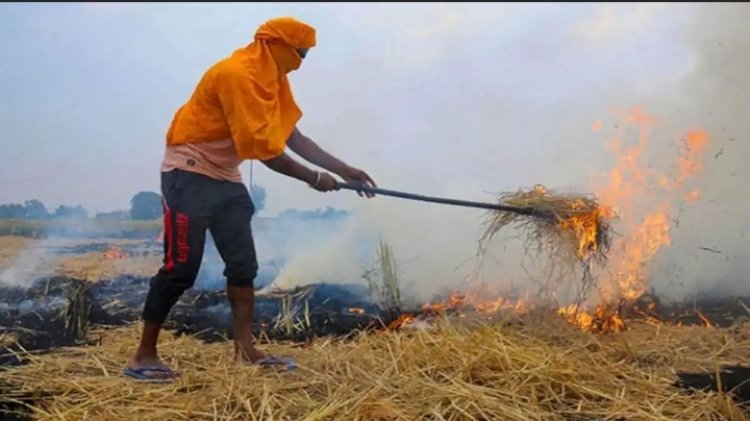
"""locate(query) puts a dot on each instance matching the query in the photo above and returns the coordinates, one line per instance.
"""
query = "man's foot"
(273, 360)
(247, 353)
(149, 368)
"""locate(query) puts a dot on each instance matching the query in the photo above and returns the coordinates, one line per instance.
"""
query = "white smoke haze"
(31, 262)
(501, 142)
(318, 251)
(713, 96)
(451, 100)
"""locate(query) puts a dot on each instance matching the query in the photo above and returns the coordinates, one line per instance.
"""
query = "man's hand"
(357, 176)
(311, 152)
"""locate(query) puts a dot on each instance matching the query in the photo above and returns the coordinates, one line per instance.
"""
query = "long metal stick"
(491, 206)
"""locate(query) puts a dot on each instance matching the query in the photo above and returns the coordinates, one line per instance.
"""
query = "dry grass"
(8, 338)
(34, 258)
(383, 282)
(10, 246)
(547, 372)
(94, 267)
(569, 228)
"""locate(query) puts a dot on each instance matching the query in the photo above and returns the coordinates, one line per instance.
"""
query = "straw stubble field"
(536, 367)
(509, 371)
(33, 258)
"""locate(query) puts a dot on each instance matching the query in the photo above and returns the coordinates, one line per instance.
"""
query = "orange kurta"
(246, 97)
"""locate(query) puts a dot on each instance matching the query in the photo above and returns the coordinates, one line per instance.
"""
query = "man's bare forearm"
(285, 164)
(314, 154)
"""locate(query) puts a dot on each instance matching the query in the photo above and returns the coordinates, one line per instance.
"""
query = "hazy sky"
(421, 96)
(457, 100)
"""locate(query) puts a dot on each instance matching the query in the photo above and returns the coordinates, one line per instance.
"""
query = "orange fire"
(473, 301)
(402, 321)
(692, 197)
(585, 227)
(461, 305)
(601, 320)
(706, 321)
(582, 220)
(643, 198)
(116, 253)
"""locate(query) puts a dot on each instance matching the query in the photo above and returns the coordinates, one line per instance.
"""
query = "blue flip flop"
(273, 360)
(140, 374)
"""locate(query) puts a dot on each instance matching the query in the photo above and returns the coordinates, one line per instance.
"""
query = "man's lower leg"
(161, 298)
(149, 337)
(242, 299)
(146, 355)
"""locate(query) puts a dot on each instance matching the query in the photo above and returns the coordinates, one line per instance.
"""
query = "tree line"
(35, 209)
(145, 205)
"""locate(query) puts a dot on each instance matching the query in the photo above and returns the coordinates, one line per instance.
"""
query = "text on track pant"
(194, 203)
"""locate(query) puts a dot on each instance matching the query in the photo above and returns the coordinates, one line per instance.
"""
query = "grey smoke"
(488, 130)
(31, 262)
(715, 95)
(446, 99)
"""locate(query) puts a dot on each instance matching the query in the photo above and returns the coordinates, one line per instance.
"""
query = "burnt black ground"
(734, 380)
(51, 314)
(40, 316)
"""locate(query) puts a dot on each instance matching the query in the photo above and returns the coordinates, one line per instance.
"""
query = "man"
(241, 109)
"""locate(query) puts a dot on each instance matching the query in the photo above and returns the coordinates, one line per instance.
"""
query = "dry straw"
(544, 371)
(570, 228)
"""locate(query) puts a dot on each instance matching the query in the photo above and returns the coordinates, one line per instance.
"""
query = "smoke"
(714, 96)
(472, 115)
(450, 100)
(32, 261)
(63, 245)
(435, 246)
(294, 252)
(324, 252)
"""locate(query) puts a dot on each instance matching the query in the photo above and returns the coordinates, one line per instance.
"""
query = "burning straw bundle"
(561, 220)
(569, 227)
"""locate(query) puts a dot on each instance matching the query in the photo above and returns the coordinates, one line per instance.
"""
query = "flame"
(601, 320)
(691, 162)
(643, 198)
(473, 301)
(116, 253)
(585, 227)
(456, 300)
(692, 197)
(402, 321)
(649, 318)
(705, 319)
(581, 219)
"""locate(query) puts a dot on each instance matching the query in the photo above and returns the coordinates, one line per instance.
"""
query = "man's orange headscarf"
(247, 96)
(282, 37)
